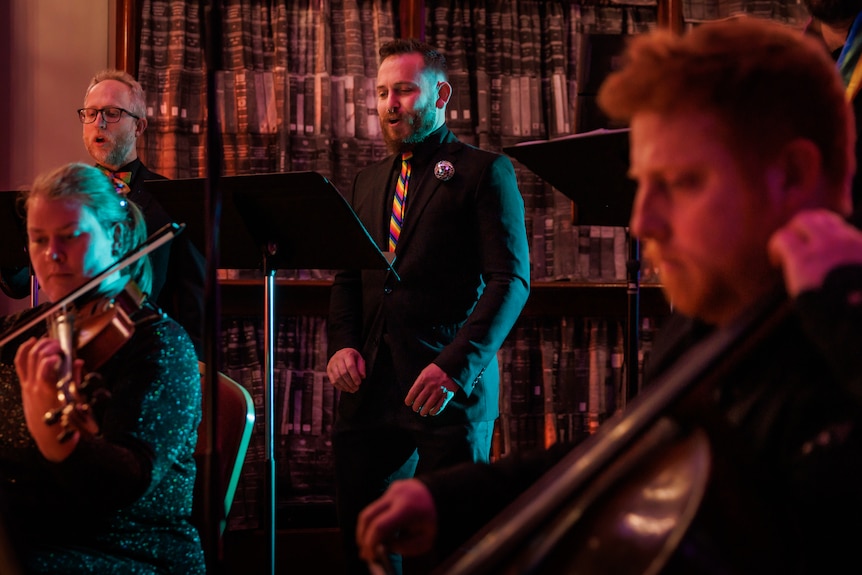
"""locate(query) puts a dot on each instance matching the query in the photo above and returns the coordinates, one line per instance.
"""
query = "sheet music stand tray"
(290, 220)
(591, 168)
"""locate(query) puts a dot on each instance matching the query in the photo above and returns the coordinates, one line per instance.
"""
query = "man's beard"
(116, 155)
(833, 11)
(421, 125)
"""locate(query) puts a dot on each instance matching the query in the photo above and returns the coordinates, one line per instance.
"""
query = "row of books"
(515, 40)
(305, 119)
(305, 406)
(262, 102)
(513, 65)
(562, 377)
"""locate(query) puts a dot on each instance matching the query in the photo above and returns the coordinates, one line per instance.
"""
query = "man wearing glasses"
(113, 117)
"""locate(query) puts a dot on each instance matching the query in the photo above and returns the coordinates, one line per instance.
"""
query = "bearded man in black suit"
(413, 352)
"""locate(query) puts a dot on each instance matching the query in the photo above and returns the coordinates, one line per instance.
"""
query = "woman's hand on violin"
(38, 363)
(403, 520)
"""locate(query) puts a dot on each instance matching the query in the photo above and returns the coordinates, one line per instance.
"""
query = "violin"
(93, 333)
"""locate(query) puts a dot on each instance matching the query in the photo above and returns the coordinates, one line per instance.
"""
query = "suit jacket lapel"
(420, 192)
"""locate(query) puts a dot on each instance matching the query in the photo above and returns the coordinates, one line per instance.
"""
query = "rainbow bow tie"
(121, 180)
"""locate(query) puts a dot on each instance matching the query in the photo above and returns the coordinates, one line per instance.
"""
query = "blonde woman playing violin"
(96, 447)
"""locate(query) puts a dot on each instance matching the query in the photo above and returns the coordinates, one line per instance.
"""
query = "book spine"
(339, 129)
(267, 107)
(608, 263)
(504, 359)
(621, 253)
(565, 238)
(297, 390)
(595, 253)
(616, 393)
(581, 399)
(317, 402)
(349, 106)
(310, 102)
(550, 342)
(519, 394)
(353, 39)
(362, 130)
(372, 122)
(551, 249)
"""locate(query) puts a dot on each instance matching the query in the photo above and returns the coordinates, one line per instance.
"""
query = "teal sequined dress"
(121, 502)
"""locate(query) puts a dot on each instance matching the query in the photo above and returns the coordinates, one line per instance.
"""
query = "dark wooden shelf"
(311, 297)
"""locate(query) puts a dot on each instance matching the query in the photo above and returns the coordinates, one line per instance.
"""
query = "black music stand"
(13, 235)
(13, 238)
(185, 201)
(591, 169)
(291, 220)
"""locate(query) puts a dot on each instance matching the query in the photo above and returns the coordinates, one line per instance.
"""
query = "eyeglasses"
(110, 114)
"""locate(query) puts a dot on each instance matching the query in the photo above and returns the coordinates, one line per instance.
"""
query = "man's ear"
(796, 177)
(444, 92)
(140, 126)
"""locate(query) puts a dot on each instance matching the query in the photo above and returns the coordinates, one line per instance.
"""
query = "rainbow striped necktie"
(849, 62)
(398, 201)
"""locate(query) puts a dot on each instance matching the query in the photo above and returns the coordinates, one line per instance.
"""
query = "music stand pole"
(282, 212)
(270, 500)
(211, 538)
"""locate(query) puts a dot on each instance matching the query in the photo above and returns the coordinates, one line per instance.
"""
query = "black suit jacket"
(463, 264)
(178, 267)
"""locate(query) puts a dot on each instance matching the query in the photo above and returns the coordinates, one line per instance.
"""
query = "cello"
(622, 500)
